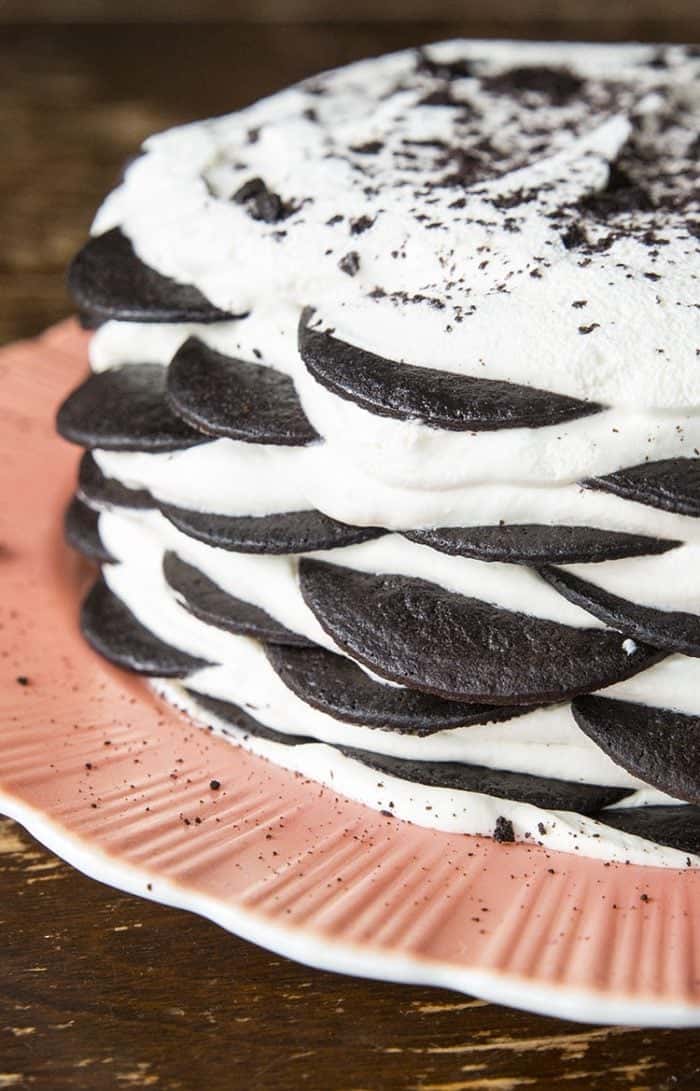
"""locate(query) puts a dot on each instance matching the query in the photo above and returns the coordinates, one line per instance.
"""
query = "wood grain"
(99, 990)
(518, 13)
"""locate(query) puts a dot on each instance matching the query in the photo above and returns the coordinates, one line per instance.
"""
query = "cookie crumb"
(350, 263)
(503, 830)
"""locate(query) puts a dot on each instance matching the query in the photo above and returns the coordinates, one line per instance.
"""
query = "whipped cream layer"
(547, 237)
(138, 541)
(271, 582)
(409, 454)
(473, 192)
(544, 742)
(513, 212)
(441, 808)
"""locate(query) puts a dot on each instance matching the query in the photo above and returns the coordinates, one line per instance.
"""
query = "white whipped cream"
(545, 742)
(138, 540)
(490, 250)
(667, 581)
(442, 808)
(271, 582)
(473, 276)
(175, 205)
(408, 454)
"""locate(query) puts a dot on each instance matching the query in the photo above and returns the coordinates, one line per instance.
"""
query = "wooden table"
(100, 990)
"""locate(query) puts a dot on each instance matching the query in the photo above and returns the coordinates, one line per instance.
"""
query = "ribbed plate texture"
(118, 782)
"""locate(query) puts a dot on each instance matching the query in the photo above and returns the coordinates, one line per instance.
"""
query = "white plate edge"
(301, 945)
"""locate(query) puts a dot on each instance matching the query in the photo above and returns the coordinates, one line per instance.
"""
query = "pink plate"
(117, 782)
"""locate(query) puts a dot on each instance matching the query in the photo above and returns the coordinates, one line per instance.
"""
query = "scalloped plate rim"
(358, 960)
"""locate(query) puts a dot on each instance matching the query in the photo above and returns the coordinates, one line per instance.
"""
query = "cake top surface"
(524, 211)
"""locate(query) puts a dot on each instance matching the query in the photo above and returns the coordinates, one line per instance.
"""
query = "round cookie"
(108, 281)
(421, 635)
(224, 396)
(338, 687)
(113, 631)
(281, 532)
(124, 409)
(672, 630)
(675, 827)
(441, 399)
(672, 484)
(208, 602)
(535, 545)
(101, 491)
(81, 530)
(658, 745)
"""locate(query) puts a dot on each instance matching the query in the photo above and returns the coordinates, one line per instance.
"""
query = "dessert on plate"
(392, 437)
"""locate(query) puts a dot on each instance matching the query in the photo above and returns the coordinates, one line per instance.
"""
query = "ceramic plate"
(117, 782)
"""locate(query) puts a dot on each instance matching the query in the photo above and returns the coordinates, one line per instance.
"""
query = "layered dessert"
(392, 437)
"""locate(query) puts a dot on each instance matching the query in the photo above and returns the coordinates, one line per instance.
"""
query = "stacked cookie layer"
(392, 437)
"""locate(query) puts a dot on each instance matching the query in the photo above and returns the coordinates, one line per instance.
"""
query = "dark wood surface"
(597, 14)
(101, 990)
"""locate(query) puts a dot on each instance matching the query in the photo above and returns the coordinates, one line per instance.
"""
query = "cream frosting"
(469, 274)
(441, 808)
(489, 238)
(532, 158)
(545, 742)
(400, 454)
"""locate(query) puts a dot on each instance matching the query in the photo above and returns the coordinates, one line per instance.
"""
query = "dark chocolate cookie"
(657, 745)
(113, 631)
(282, 532)
(89, 321)
(421, 635)
(97, 489)
(675, 827)
(124, 409)
(545, 792)
(223, 396)
(80, 524)
(462, 403)
(672, 484)
(338, 687)
(671, 630)
(533, 544)
(237, 717)
(203, 598)
(107, 280)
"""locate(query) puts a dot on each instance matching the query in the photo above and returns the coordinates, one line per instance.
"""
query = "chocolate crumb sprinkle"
(558, 84)
(371, 147)
(360, 225)
(574, 238)
(503, 831)
(350, 263)
(260, 202)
